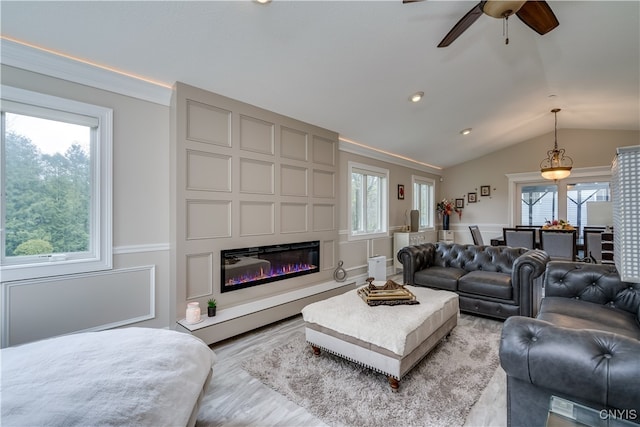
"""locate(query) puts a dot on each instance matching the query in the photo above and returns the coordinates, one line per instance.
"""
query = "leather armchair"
(584, 346)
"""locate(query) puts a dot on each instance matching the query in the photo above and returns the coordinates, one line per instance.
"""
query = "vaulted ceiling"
(351, 66)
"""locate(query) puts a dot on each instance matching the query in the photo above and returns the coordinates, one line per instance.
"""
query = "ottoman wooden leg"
(316, 350)
(394, 383)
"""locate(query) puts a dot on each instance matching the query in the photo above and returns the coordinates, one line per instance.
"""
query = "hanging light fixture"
(556, 166)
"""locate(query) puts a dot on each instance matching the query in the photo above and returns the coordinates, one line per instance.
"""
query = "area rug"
(439, 391)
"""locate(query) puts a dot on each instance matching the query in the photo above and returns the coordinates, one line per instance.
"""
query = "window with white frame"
(423, 200)
(55, 181)
(368, 207)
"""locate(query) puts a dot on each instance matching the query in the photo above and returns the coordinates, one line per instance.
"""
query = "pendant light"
(556, 166)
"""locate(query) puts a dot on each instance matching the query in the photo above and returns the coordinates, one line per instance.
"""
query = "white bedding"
(123, 377)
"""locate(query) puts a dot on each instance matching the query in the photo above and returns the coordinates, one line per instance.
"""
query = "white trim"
(370, 152)
(524, 177)
(6, 303)
(51, 64)
(138, 249)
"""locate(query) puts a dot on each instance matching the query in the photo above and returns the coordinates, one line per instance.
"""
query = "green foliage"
(33, 247)
(212, 302)
(48, 198)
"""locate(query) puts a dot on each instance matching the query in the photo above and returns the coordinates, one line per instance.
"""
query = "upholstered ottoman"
(387, 339)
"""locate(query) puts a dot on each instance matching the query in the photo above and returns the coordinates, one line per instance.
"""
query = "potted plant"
(211, 307)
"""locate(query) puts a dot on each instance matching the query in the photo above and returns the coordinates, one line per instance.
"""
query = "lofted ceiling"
(351, 66)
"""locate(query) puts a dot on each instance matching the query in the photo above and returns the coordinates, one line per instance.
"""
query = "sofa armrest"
(415, 258)
(595, 366)
(526, 268)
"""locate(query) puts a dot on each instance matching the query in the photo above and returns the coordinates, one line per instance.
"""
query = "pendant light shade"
(556, 166)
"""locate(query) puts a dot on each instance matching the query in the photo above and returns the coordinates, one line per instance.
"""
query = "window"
(539, 204)
(368, 211)
(55, 177)
(578, 195)
(423, 200)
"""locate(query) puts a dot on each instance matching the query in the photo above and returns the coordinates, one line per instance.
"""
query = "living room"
(143, 211)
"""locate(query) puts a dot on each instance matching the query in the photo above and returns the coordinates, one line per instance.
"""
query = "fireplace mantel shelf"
(235, 312)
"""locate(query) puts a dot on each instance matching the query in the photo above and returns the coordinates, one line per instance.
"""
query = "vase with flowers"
(557, 224)
(445, 208)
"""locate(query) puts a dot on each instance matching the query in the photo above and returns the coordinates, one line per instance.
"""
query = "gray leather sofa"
(496, 281)
(584, 346)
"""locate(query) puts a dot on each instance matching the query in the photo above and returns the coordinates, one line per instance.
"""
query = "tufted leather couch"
(584, 346)
(495, 281)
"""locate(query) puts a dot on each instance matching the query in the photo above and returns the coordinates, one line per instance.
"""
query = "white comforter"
(123, 377)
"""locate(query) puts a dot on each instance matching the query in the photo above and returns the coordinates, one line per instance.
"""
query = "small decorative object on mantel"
(472, 197)
(193, 313)
(339, 275)
(391, 293)
(485, 190)
(211, 307)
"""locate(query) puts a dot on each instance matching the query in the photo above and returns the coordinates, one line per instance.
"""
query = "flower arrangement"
(558, 224)
(445, 207)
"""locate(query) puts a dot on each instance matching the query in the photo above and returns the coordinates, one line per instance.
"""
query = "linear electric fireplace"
(242, 268)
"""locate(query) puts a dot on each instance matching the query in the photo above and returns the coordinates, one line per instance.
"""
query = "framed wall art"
(400, 191)
(472, 197)
(485, 190)
(460, 203)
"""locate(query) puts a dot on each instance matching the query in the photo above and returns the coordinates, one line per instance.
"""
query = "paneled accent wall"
(242, 176)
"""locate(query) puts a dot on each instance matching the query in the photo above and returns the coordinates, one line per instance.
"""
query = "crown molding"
(363, 150)
(45, 62)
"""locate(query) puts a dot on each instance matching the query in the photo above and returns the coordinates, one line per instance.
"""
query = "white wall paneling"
(207, 219)
(256, 135)
(199, 281)
(208, 124)
(83, 302)
(257, 218)
(293, 144)
(293, 181)
(208, 172)
(256, 176)
(293, 218)
(241, 177)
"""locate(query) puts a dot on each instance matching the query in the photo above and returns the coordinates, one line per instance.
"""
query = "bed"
(122, 377)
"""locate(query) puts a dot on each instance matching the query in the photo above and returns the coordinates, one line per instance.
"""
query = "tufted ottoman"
(387, 339)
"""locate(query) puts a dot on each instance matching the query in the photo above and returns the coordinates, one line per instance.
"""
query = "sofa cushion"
(486, 283)
(578, 314)
(439, 277)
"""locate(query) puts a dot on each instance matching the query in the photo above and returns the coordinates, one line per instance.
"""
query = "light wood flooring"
(235, 398)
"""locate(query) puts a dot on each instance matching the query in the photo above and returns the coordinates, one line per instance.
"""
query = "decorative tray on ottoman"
(391, 293)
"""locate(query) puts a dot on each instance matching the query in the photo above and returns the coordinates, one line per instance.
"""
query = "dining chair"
(559, 244)
(592, 240)
(529, 227)
(476, 235)
(520, 237)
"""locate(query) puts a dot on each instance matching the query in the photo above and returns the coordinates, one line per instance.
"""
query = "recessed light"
(466, 131)
(263, 1)
(416, 96)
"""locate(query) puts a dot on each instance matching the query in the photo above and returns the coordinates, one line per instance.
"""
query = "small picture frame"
(485, 190)
(400, 191)
(472, 197)
(460, 203)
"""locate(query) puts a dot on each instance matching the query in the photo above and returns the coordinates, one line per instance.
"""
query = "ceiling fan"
(535, 13)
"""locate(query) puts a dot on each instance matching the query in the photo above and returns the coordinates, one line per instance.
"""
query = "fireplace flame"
(279, 271)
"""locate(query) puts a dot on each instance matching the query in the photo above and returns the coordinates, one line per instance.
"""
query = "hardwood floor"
(235, 398)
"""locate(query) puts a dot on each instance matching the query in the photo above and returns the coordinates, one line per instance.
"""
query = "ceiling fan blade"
(462, 25)
(538, 16)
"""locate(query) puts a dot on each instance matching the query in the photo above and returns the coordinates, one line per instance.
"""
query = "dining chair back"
(529, 227)
(476, 235)
(519, 237)
(560, 245)
(593, 244)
